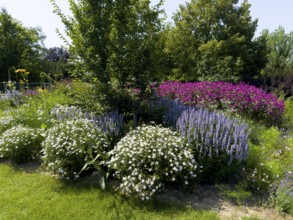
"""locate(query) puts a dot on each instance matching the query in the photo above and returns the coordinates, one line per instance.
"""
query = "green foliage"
(55, 65)
(36, 110)
(280, 50)
(69, 145)
(87, 96)
(20, 144)
(281, 195)
(278, 73)
(288, 114)
(20, 46)
(148, 157)
(114, 40)
(213, 40)
(269, 158)
(237, 194)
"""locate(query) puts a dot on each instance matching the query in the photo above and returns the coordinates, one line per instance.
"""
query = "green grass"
(38, 196)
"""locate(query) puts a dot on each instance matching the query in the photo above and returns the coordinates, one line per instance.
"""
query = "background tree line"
(115, 43)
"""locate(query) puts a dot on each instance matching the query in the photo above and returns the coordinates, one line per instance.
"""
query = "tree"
(278, 73)
(280, 50)
(20, 47)
(213, 40)
(114, 39)
(55, 64)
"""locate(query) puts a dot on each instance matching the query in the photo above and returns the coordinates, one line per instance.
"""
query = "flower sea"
(241, 98)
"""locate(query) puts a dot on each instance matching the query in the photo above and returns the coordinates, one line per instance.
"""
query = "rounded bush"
(70, 144)
(148, 157)
(20, 144)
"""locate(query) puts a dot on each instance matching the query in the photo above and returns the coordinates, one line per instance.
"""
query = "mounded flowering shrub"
(241, 98)
(20, 144)
(6, 122)
(110, 123)
(217, 140)
(70, 144)
(148, 157)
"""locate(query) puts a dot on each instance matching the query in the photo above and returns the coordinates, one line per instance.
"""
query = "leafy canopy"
(213, 40)
(20, 47)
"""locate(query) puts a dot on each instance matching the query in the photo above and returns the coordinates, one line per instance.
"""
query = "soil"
(206, 197)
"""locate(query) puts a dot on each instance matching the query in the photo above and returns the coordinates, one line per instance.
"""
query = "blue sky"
(33, 13)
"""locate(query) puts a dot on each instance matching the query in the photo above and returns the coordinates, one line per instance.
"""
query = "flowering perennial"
(6, 123)
(213, 133)
(110, 123)
(70, 144)
(242, 98)
(147, 157)
(20, 144)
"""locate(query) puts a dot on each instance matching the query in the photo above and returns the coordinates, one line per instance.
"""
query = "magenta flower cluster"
(241, 98)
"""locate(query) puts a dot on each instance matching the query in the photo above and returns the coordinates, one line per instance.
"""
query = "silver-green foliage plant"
(70, 144)
(148, 157)
(20, 144)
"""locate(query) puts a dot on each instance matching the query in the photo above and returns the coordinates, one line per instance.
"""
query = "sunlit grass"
(38, 196)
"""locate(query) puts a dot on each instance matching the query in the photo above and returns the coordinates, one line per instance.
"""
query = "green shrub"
(20, 144)
(148, 157)
(69, 145)
(282, 194)
(85, 96)
(288, 114)
(36, 110)
(269, 157)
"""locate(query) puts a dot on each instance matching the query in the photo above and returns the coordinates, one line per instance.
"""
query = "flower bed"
(241, 98)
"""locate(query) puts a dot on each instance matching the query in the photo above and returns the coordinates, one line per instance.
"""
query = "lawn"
(32, 195)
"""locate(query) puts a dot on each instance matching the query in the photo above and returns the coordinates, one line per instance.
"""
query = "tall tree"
(20, 47)
(213, 40)
(278, 73)
(114, 39)
(280, 50)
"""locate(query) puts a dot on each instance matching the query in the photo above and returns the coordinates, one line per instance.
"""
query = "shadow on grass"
(166, 205)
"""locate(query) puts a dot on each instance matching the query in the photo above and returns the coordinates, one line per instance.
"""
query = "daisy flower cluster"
(148, 157)
(20, 144)
(70, 144)
(6, 123)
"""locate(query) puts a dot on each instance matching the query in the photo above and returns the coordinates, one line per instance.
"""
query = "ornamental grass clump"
(241, 98)
(217, 140)
(20, 144)
(148, 157)
(70, 144)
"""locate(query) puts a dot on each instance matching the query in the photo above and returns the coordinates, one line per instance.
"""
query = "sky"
(39, 13)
